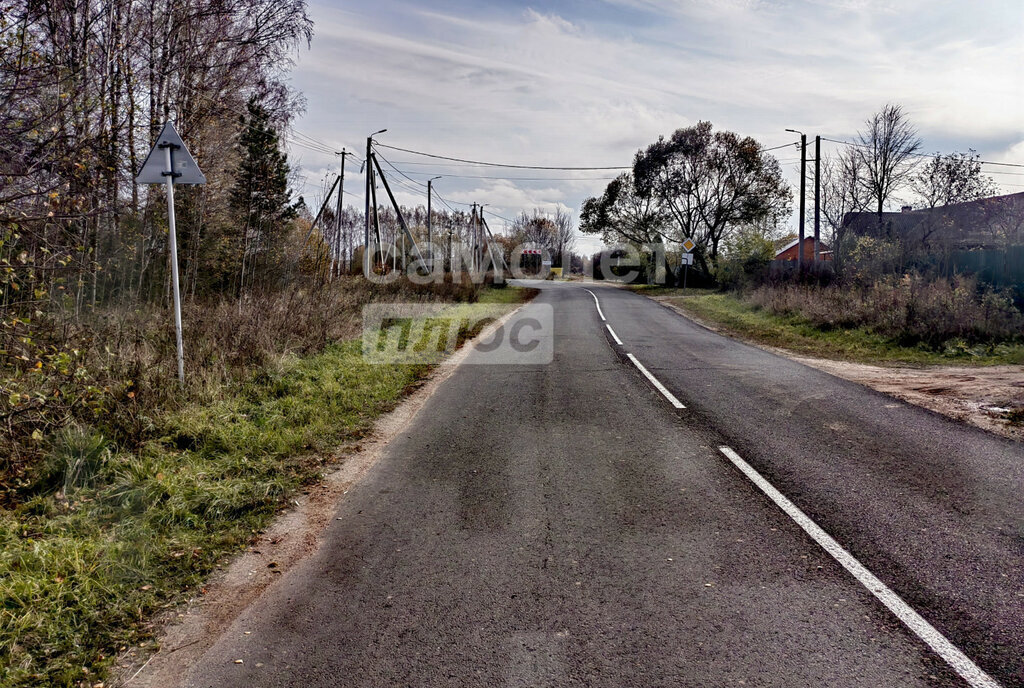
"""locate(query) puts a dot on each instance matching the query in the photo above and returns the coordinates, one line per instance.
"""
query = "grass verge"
(736, 317)
(119, 535)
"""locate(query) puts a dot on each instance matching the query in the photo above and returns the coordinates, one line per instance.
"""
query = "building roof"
(822, 245)
(983, 223)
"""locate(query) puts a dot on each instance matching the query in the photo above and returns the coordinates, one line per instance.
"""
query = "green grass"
(114, 537)
(507, 295)
(795, 334)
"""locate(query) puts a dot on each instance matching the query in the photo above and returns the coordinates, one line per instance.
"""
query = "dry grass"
(910, 310)
(134, 490)
(114, 369)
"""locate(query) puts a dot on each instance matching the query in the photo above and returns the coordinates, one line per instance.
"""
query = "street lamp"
(803, 193)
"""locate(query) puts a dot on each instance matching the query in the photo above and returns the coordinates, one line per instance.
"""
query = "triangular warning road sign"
(154, 170)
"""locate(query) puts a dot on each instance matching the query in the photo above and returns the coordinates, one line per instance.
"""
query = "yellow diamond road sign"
(688, 244)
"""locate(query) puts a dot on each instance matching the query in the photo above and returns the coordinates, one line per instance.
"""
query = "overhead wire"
(923, 155)
(496, 164)
(520, 179)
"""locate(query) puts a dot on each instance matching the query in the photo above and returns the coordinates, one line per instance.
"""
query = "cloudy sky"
(576, 83)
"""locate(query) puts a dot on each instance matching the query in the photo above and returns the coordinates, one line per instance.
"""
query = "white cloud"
(524, 86)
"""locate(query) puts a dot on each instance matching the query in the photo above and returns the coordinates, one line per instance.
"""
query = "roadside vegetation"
(120, 489)
(122, 492)
(886, 291)
(939, 324)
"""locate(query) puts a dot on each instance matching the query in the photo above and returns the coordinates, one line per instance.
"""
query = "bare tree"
(886, 148)
(953, 178)
(553, 233)
(84, 88)
(565, 234)
(843, 191)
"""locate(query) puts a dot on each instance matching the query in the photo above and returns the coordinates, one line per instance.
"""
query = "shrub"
(113, 369)
(936, 313)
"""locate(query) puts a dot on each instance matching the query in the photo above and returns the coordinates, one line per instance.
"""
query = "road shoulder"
(978, 396)
(188, 631)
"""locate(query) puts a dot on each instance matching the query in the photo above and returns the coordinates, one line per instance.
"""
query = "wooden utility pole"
(366, 215)
(337, 263)
(817, 200)
(430, 223)
(803, 199)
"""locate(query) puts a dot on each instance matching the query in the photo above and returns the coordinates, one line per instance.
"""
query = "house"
(988, 223)
(789, 251)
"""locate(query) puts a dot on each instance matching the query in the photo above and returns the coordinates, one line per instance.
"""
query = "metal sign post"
(180, 169)
(687, 260)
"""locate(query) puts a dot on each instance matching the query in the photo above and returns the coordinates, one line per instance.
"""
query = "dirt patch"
(188, 631)
(985, 397)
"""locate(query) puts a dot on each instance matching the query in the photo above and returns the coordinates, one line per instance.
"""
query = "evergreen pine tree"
(260, 195)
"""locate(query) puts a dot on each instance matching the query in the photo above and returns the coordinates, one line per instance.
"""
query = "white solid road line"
(960, 662)
(654, 381)
(599, 311)
(661, 388)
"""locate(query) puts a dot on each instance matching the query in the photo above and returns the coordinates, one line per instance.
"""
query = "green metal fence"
(998, 267)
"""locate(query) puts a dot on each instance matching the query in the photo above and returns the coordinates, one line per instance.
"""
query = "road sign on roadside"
(688, 244)
(186, 171)
(170, 163)
(687, 259)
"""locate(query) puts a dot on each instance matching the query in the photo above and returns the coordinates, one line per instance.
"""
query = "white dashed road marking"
(614, 336)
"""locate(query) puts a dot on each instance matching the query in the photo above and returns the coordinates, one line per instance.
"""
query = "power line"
(400, 171)
(497, 164)
(295, 142)
(500, 217)
(292, 133)
(521, 179)
(923, 155)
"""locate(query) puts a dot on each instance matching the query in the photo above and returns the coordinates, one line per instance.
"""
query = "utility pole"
(472, 236)
(481, 237)
(370, 191)
(337, 234)
(817, 200)
(430, 223)
(803, 198)
(803, 203)
(366, 214)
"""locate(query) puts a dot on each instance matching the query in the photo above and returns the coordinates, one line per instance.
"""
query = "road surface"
(568, 524)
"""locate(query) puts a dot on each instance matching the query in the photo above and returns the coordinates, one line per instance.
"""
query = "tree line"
(86, 86)
(727, 194)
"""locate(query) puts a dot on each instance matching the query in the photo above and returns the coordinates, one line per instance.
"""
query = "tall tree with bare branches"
(886, 148)
(953, 178)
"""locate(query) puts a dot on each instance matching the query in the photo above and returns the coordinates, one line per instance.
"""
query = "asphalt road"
(564, 524)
